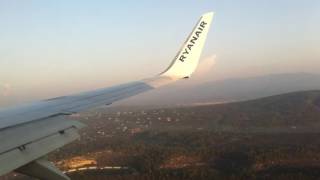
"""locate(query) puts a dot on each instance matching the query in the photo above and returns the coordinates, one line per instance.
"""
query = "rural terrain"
(275, 137)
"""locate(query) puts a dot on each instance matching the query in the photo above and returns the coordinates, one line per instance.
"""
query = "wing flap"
(42, 169)
(29, 142)
(29, 132)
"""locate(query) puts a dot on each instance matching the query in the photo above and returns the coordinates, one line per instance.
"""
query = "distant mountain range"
(291, 110)
(229, 90)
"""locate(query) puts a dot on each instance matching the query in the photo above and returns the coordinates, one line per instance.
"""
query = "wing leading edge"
(49, 116)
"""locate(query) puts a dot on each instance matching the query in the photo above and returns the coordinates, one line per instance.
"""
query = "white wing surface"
(29, 132)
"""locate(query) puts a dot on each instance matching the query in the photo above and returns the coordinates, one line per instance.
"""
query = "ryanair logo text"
(192, 41)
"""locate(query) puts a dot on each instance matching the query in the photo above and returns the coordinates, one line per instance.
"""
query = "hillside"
(275, 137)
(299, 109)
(228, 90)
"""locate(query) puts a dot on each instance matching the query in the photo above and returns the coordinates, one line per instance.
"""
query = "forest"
(270, 138)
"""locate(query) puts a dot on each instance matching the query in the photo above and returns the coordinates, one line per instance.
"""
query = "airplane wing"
(29, 132)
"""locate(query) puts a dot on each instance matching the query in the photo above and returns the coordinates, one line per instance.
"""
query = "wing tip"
(208, 14)
(185, 68)
(187, 59)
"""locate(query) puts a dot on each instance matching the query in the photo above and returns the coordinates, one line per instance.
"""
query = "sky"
(52, 48)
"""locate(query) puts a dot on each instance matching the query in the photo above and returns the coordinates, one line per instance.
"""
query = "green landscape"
(275, 137)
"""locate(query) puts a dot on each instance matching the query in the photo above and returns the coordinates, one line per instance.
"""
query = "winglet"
(187, 59)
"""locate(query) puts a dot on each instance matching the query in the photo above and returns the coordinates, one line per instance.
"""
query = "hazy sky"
(49, 48)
